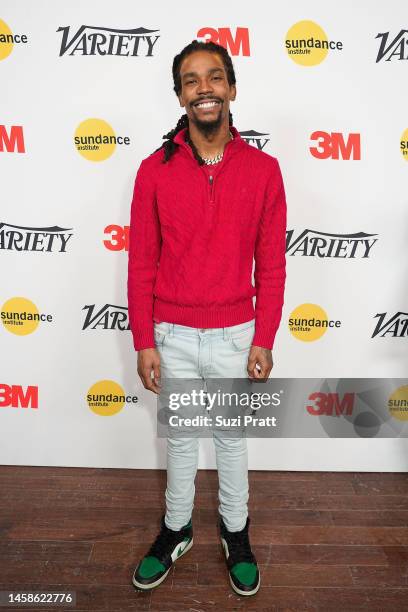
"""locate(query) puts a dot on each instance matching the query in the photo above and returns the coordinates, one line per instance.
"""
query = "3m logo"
(119, 237)
(12, 141)
(330, 404)
(15, 397)
(238, 45)
(334, 145)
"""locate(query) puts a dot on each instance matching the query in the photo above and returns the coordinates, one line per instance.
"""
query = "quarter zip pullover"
(195, 233)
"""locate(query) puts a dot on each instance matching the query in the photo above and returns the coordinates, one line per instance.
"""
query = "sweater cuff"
(264, 339)
(143, 339)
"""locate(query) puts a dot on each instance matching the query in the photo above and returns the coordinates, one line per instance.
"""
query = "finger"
(152, 386)
(255, 373)
(148, 382)
(260, 370)
(250, 366)
(157, 374)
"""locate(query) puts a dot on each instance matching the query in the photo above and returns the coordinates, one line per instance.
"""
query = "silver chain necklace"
(217, 158)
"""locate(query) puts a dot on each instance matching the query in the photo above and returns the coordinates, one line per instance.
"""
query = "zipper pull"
(211, 178)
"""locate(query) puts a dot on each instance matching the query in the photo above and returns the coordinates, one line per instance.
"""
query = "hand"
(148, 360)
(263, 357)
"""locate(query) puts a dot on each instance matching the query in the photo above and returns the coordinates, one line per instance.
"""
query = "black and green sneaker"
(241, 563)
(168, 546)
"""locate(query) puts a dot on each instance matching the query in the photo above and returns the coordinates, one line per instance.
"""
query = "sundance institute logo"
(20, 316)
(309, 322)
(307, 43)
(96, 141)
(8, 40)
(404, 144)
(106, 398)
(398, 404)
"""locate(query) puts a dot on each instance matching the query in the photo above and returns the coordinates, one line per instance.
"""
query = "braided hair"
(170, 146)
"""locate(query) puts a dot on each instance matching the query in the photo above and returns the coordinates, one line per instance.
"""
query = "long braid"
(170, 146)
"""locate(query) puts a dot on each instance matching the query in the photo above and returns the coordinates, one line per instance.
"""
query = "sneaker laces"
(239, 547)
(163, 541)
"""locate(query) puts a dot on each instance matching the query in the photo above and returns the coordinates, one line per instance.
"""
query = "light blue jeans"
(189, 352)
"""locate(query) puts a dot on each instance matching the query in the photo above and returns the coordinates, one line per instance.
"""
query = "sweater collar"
(233, 145)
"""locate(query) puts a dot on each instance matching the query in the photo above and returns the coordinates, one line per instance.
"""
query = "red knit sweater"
(194, 233)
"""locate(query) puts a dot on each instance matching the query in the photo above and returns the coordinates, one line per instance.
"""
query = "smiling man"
(205, 205)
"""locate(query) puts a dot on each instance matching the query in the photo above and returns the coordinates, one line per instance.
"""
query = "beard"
(208, 128)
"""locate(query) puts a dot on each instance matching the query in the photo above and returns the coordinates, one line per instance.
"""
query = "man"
(204, 205)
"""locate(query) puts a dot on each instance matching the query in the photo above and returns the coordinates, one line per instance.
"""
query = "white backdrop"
(51, 184)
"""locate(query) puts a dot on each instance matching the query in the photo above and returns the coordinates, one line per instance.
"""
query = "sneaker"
(242, 566)
(168, 546)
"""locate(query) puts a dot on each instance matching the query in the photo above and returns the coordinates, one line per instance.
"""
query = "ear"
(233, 92)
(180, 99)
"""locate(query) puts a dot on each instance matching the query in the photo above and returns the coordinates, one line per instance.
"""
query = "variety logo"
(107, 398)
(95, 139)
(8, 40)
(398, 404)
(404, 145)
(90, 40)
(395, 326)
(35, 239)
(309, 322)
(118, 237)
(307, 43)
(311, 243)
(255, 138)
(397, 47)
(12, 141)
(330, 404)
(107, 317)
(14, 396)
(236, 45)
(20, 316)
(332, 144)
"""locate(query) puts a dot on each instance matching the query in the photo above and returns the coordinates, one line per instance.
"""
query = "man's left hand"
(262, 357)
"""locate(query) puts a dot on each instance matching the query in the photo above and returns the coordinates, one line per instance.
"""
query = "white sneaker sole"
(237, 590)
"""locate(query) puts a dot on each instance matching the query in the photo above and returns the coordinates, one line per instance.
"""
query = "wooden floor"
(324, 541)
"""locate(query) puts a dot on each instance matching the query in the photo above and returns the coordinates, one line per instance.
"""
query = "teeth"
(206, 104)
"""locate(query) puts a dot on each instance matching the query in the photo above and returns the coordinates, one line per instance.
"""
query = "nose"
(204, 86)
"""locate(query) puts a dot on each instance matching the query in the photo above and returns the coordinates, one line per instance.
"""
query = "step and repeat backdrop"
(86, 94)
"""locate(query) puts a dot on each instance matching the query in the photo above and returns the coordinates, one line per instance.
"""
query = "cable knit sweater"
(195, 234)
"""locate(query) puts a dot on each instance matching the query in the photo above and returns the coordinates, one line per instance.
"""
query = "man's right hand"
(148, 360)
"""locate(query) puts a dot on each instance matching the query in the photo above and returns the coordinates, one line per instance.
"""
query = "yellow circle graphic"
(20, 316)
(404, 144)
(308, 322)
(306, 43)
(6, 42)
(95, 139)
(106, 398)
(398, 404)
